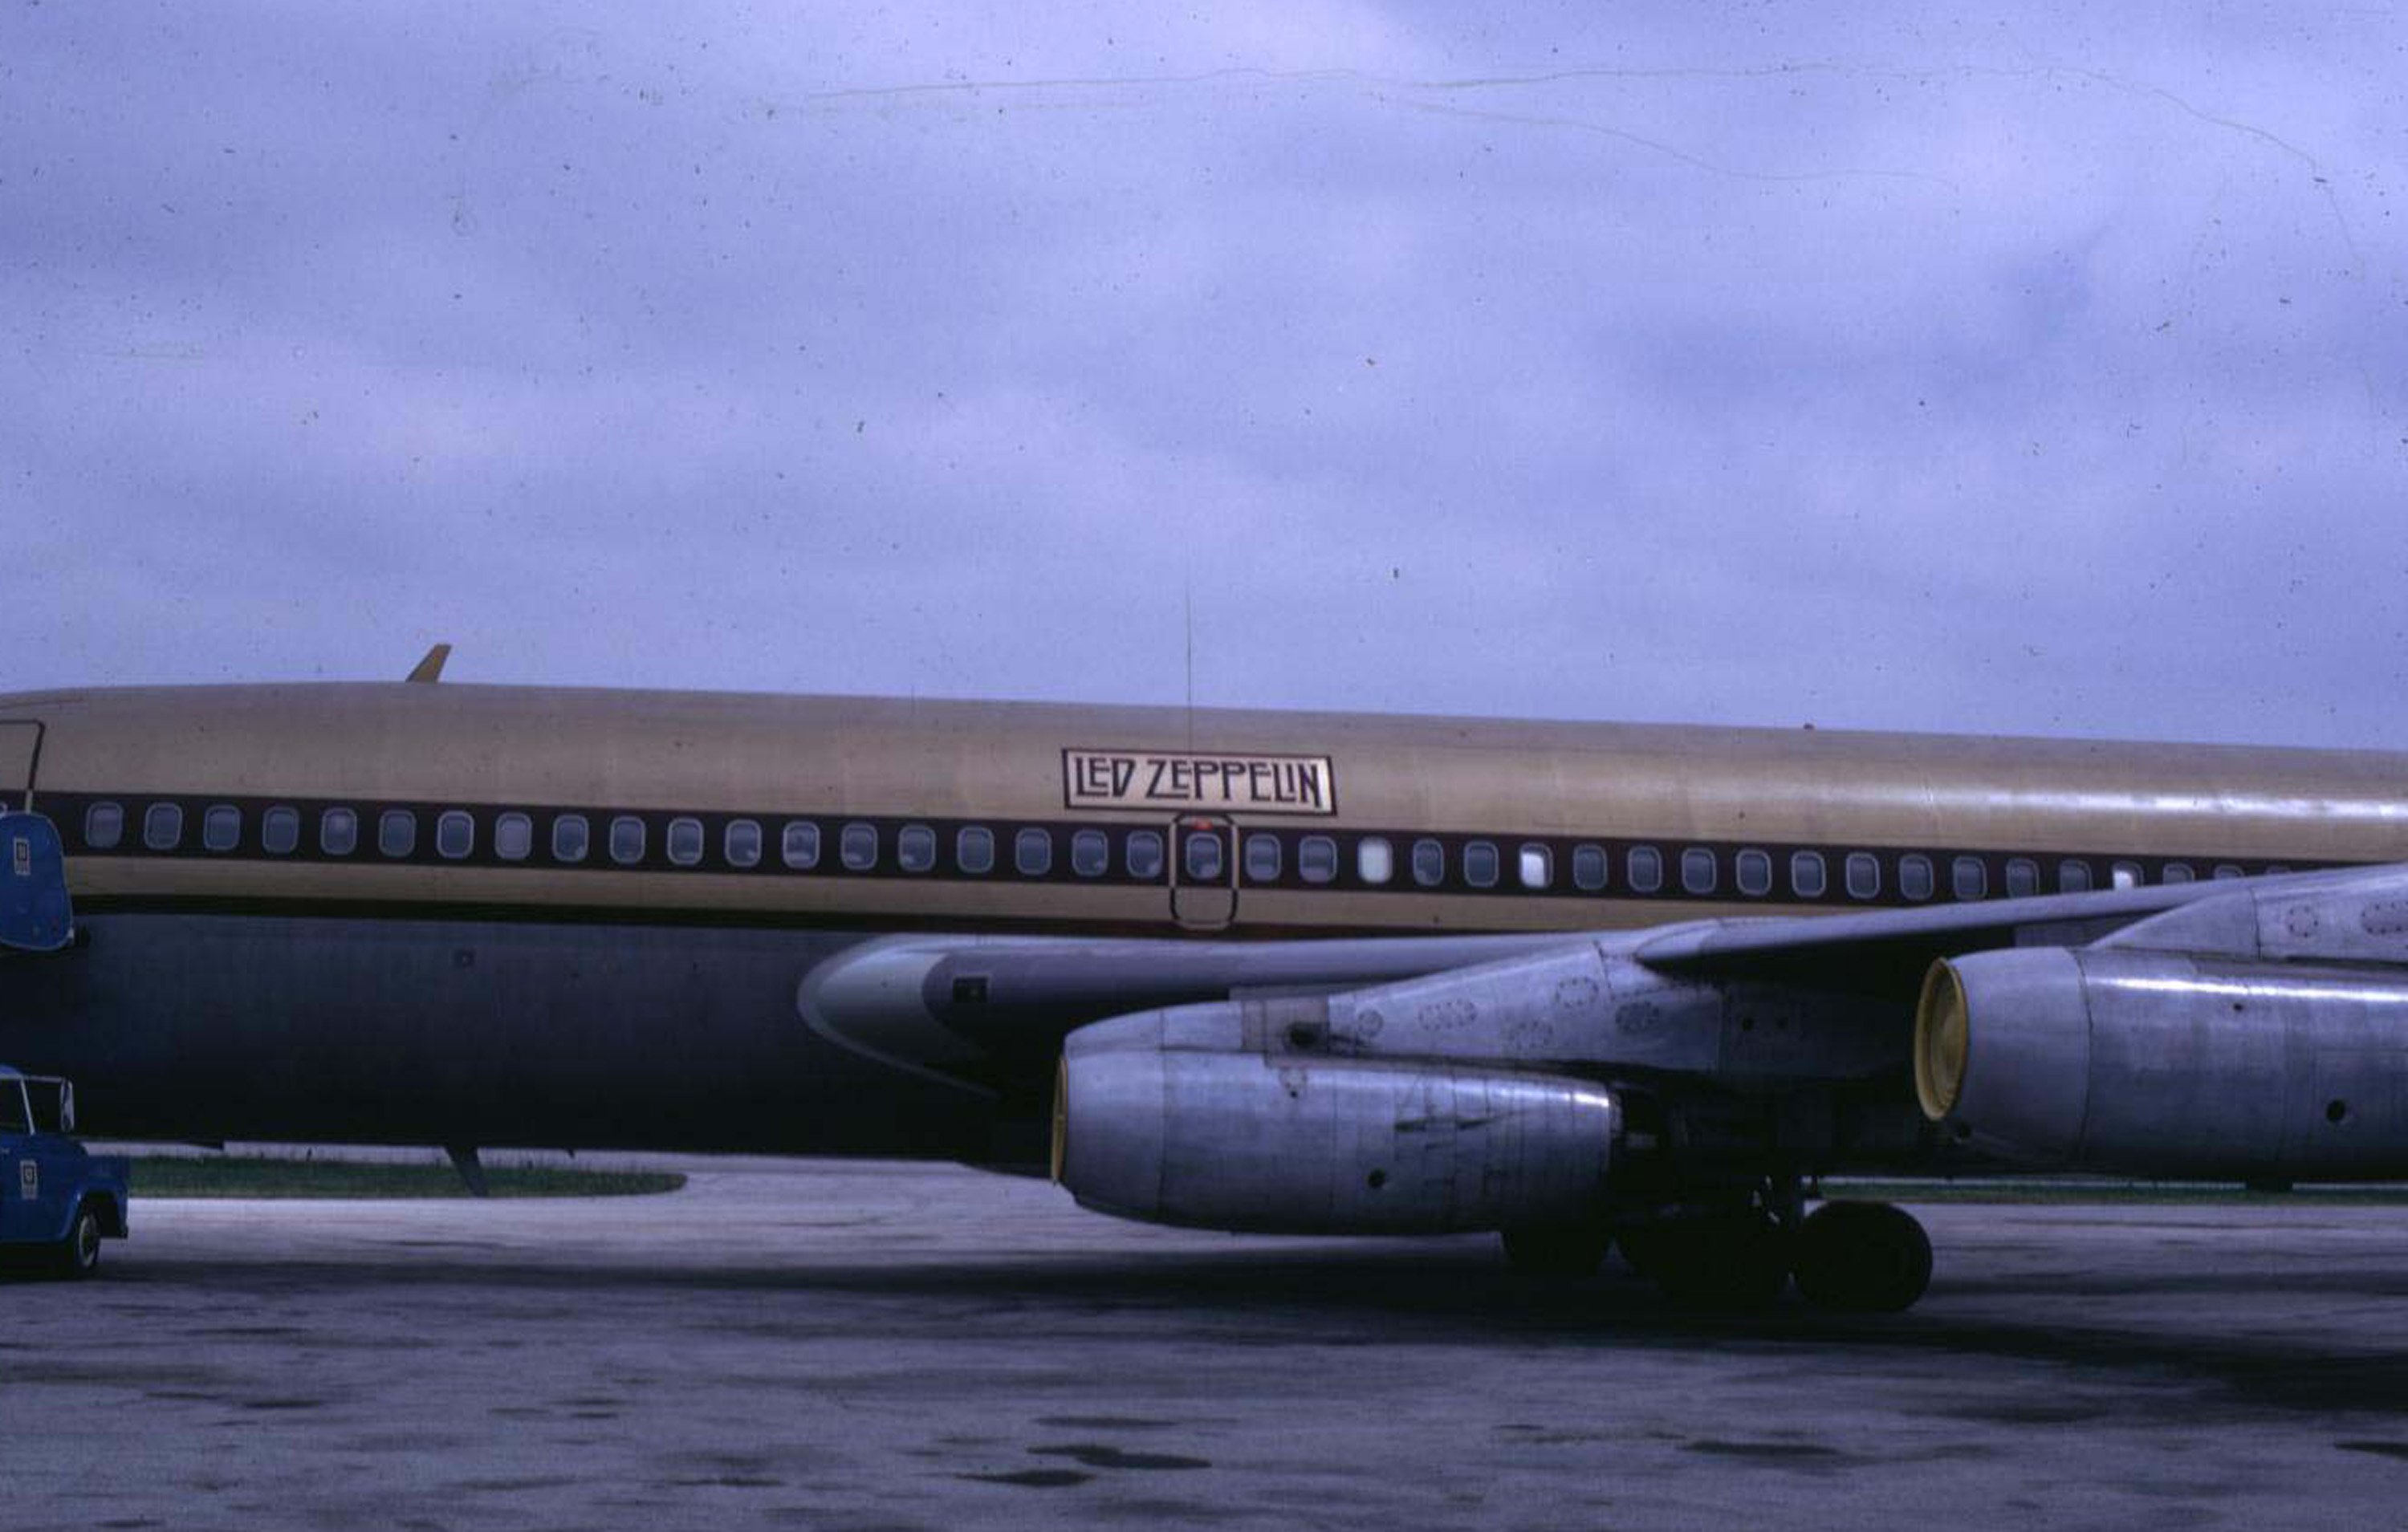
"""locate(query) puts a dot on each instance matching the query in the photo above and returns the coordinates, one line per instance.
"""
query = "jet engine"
(2151, 1062)
(1165, 1116)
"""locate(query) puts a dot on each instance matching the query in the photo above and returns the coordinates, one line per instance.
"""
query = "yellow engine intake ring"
(1061, 1115)
(1940, 1036)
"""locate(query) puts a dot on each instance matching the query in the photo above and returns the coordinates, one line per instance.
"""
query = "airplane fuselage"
(448, 913)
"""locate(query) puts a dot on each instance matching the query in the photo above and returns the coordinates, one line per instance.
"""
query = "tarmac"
(890, 1346)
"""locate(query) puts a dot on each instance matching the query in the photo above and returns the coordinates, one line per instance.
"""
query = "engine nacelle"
(2155, 1063)
(1149, 1125)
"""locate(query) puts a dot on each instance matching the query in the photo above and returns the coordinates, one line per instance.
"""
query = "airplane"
(1581, 984)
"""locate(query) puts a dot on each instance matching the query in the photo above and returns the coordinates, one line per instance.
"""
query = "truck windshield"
(12, 1108)
(50, 1098)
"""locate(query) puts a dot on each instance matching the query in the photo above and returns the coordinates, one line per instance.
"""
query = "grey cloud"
(2028, 372)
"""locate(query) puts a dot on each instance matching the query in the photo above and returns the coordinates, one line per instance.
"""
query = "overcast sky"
(2035, 372)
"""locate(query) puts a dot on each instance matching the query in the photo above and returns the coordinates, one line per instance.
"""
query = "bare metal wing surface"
(2250, 1029)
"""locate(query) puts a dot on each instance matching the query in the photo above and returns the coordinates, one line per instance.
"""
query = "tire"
(78, 1254)
(1863, 1258)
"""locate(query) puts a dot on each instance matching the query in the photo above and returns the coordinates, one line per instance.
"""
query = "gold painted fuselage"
(440, 913)
(1007, 769)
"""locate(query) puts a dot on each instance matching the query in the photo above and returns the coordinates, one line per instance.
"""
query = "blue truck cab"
(57, 1200)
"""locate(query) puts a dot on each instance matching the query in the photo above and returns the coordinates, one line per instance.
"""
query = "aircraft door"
(21, 743)
(1203, 873)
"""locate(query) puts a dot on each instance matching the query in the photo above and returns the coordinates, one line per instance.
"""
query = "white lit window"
(1375, 860)
(1536, 866)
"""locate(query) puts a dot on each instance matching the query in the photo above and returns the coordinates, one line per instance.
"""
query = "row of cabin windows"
(624, 840)
(1700, 869)
(1263, 855)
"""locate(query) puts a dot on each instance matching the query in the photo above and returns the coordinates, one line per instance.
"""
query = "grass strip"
(2096, 1193)
(258, 1176)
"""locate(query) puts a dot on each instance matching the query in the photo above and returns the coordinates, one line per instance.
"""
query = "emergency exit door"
(1203, 872)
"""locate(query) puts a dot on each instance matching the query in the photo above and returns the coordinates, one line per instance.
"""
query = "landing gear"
(1565, 1251)
(1862, 1257)
(1857, 1257)
(1733, 1260)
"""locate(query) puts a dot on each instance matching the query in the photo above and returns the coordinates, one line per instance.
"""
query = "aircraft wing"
(1872, 949)
(2240, 1028)
(977, 1007)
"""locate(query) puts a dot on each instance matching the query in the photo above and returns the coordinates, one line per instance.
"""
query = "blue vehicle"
(57, 1200)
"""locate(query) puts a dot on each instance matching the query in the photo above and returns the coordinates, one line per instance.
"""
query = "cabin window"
(1755, 870)
(1480, 863)
(2225, 871)
(1588, 867)
(1864, 875)
(220, 828)
(1969, 876)
(1807, 878)
(2073, 877)
(1375, 860)
(338, 832)
(1697, 870)
(397, 832)
(685, 841)
(741, 843)
(455, 834)
(1262, 858)
(856, 846)
(626, 840)
(279, 830)
(1145, 855)
(163, 827)
(1644, 866)
(1203, 855)
(571, 838)
(1032, 853)
(974, 849)
(798, 845)
(513, 836)
(1091, 853)
(1535, 864)
(2126, 875)
(2179, 872)
(104, 826)
(1914, 878)
(915, 848)
(2023, 878)
(1429, 863)
(1316, 859)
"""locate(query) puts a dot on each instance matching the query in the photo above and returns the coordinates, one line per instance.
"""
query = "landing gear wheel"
(1574, 1251)
(1730, 1261)
(78, 1254)
(1863, 1257)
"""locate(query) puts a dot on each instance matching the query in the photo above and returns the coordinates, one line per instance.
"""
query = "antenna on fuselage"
(430, 669)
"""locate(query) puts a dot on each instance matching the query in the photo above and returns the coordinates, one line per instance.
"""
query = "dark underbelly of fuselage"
(222, 1026)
